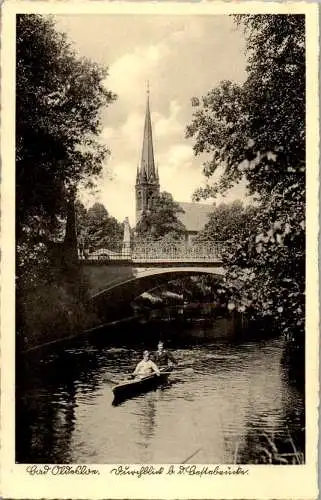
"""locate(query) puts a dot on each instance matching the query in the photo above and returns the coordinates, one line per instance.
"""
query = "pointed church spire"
(147, 179)
(147, 160)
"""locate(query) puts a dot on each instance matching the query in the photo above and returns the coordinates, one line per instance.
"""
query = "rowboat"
(131, 388)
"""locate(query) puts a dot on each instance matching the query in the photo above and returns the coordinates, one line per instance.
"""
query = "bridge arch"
(141, 278)
(113, 301)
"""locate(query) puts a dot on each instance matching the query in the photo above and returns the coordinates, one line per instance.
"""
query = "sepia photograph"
(160, 239)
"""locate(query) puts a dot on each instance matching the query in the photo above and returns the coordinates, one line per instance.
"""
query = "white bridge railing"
(159, 252)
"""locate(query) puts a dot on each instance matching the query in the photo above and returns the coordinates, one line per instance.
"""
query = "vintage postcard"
(159, 279)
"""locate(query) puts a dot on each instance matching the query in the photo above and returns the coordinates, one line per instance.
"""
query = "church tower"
(147, 180)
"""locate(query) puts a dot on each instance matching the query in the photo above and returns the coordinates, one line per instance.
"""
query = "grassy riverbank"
(272, 450)
(50, 313)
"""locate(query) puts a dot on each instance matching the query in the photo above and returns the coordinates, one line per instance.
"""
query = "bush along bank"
(51, 312)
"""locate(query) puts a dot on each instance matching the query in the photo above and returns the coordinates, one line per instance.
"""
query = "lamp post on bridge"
(126, 251)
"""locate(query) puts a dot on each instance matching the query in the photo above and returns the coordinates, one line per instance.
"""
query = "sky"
(181, 56)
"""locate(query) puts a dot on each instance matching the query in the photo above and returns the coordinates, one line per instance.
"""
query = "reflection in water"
(146, 412)
(228, 403)
(277, 437)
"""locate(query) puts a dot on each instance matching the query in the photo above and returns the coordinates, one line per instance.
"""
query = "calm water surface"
(215, 409)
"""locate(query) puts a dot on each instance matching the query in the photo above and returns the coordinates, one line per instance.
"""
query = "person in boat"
(163, 358)
(146, 367)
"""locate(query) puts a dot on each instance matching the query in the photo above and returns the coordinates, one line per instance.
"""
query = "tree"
(162, 221)
(227, 221)
(58, 100)
(97, 229)
(256, 132)
(102, 230)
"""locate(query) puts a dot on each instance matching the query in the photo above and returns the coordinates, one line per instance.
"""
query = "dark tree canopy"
(228, 221)
(256, 132)
(58, 101)
(97, 229)
(59, 97)
(162, 220)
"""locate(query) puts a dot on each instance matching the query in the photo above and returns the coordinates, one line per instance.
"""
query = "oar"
(179, 367)
(127, 378)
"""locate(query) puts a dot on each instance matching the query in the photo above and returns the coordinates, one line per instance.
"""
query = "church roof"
(195, 216)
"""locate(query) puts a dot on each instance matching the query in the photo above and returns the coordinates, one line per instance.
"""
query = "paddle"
(127, 378)
(181, 367)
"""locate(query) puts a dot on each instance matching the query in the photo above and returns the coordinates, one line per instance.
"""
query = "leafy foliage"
(226, 221)
(97, 229)
(58, 101)
(256, 132)
(162, 221)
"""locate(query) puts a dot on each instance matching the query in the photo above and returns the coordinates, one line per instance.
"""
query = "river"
(226, 403)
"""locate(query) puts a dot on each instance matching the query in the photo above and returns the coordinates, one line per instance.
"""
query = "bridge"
(115, 279)
(147, 263)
